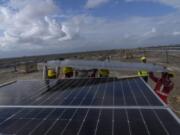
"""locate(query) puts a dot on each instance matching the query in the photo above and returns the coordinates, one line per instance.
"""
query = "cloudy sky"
(32, 27)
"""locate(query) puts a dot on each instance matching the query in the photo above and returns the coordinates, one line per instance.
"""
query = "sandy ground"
(12, 76)
(174, 65)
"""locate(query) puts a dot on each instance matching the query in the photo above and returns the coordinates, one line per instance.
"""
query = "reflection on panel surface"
(91, 91)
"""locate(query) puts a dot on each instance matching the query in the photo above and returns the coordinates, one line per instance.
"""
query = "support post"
(57, 71)
(167, 57)
(45, 72)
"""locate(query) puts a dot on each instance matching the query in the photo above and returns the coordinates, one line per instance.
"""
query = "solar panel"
(85, 121)
(113, 64)
(91, 106)
(110, 91)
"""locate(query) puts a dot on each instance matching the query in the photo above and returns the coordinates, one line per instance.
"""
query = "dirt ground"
(158, 58)
(9, 75)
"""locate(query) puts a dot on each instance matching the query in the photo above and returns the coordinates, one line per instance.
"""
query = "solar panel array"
(113, 64)
(113, 92)
(101, 106)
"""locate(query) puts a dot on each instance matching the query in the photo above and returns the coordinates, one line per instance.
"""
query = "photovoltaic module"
(111, 65)
(92, 106)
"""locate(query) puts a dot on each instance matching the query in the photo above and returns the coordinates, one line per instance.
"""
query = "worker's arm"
(151, 75)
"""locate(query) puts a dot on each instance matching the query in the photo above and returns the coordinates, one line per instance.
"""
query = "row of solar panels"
(86, 92)
(77, 121)
(111, 65)
(92, 106)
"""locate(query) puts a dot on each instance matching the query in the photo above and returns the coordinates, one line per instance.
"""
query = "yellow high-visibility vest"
(104, 72)
(51, 73)
(67, 70)
(143, 73)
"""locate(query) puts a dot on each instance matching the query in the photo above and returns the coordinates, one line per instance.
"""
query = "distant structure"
(27, 67)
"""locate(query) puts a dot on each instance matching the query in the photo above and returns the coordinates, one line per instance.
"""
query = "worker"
(103, 73)
(164, 85)
(51, 73)
(143, 73)
(93, 73)
(68, 72)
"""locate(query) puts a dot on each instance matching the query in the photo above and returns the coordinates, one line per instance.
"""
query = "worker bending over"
(103, 73)
(51, 73)
(67, 72)
(164, 85)
(143, 73)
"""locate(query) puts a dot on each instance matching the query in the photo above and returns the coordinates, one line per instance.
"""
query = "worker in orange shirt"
(164, 85)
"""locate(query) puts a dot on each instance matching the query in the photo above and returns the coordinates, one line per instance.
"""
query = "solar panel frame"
(173, 114)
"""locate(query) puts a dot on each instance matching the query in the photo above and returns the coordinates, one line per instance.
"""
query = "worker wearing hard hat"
(51, 73)
(67, 72)
(164, 85)
(103, 73)
(143, 73)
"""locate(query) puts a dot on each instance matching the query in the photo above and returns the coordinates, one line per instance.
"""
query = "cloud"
(173, 3)
(132, 32)
(95, 3)
(29, 25)
(27, 28)
(176, 33)
(149, 33)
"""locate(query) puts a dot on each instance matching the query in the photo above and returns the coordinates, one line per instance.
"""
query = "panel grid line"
(64, 86)
(13, 115)
(159, 120)
(41, 122)
(88, 111)
(62, 132)
(144, 122)
(59, 117)
(50, 112)
(37, 114)
(113, 109)
(100, 112)
(38, 92)
(89, 105)
(127, 117)
(54, 95)
(27, 122)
